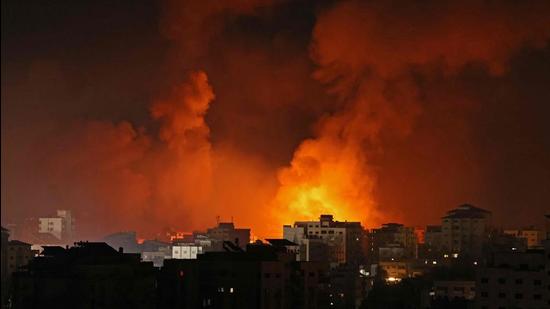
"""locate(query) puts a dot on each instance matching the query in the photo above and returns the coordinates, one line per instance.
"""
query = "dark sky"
(418, 109)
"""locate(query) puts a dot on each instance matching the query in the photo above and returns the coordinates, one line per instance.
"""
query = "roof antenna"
(231, 219)
(217, 220)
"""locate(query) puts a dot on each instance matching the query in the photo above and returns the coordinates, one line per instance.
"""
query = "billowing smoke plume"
(364, 109)
(369, 54)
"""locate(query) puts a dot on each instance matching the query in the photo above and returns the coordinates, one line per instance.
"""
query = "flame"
(328, 175)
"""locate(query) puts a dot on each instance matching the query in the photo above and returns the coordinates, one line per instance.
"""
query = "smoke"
(372, 55)
(269, 112)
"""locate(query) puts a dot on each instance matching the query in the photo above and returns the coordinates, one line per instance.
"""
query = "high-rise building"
(61, 226)
(465, 230)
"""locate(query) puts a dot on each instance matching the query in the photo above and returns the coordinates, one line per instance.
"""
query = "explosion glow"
(270, 112)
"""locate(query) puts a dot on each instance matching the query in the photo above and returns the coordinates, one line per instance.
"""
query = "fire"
(328, 175)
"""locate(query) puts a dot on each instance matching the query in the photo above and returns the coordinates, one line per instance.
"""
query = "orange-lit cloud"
(366, 110)
(367, 53)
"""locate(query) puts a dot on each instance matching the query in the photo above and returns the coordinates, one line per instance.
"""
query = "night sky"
(140, 115)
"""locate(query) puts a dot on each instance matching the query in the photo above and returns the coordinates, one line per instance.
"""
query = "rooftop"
(281, 242)
(18, 243)
(467, 211)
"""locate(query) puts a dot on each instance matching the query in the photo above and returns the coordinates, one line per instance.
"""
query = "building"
(186, 251)
(125, 240)
(5, 259)
(226, 231)
(394, 271)
(155, 251)
(455, 289)
(19, 255)
(263, 276)
(532, 236)
(61, 226)
(433, 242)
(392, 235)
(326, 239)
(88, 275)
(465, 230)
(514, 279)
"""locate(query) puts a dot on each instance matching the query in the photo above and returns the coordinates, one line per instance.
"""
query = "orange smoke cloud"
(182, 167)
(366, 52)
(226, 154)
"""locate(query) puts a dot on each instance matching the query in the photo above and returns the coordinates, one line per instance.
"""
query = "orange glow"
(328, 175)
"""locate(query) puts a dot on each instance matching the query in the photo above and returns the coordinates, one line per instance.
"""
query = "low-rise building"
(226, 231)
(186, 251)
(263, 276)
(61, 226)
(88, 275)
(453, 289)
(19, 255)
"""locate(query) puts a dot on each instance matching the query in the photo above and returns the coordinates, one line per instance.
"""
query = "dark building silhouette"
(125, 240)
(392, 240)
(263, 276)
(5, 239)
(515, 279)
(88, 275)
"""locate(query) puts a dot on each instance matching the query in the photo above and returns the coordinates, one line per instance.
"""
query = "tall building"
(465, 230)
(226, 231)
(61, 226)
(326, 239)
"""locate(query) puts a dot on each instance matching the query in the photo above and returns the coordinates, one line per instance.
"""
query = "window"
(537, 296)
(484, 294)
(519, 281)
(501, 295)
(537, 282)
(518, 296)
(501, 280)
